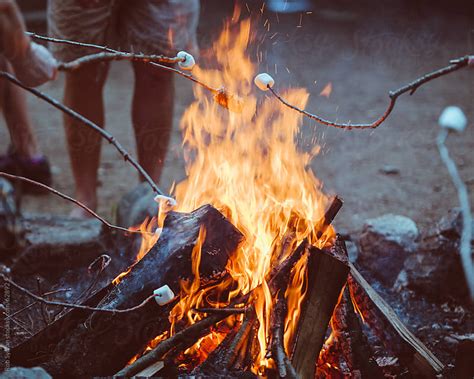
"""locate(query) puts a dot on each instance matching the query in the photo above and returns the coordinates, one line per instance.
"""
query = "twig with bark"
(69, 305)
(72, 200)
(455, 64)
(83, 120)
(117, 56)
(463, 196)
(221, 96)
(112, 53)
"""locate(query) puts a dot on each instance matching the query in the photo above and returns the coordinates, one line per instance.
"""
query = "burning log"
(230, 354)
(166, 263)
(182, 340)
(355, 349)
(382, 319)
(327, 274)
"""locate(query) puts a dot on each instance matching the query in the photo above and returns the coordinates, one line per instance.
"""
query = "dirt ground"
(364, 51)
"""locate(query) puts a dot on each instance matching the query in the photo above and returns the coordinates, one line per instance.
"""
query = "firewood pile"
(109, 331)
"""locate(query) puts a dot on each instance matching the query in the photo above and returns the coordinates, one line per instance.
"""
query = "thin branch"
(83, 120)
(19, 324)
(117, 56)
(76, 306)
(411, 87)
(463, 196)
(35, 302)
(72, 200)
(106, 49)
(187, 76)
(104, 260)
(69, 42)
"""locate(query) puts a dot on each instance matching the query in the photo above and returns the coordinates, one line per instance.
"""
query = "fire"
(247, 165)
(149, 236)
(327, 90)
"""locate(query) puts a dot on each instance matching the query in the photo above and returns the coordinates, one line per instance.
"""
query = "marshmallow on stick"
(187, 62)
(163, 295)
(264, 81)
(453, 118)
(167, 200)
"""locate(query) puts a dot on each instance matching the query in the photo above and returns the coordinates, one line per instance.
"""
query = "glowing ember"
(326, 92)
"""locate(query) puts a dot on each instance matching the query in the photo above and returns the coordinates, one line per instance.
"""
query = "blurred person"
(141, 26)
(33, 65)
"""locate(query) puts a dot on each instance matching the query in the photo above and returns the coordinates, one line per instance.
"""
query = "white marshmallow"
(263, 81)
(453, 118)
(169, 201)
(187, 62)
(163, 295)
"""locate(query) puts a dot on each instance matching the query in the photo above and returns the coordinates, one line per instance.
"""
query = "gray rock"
(435, 271)
(25, 373)
(58, 243)
(385, 243)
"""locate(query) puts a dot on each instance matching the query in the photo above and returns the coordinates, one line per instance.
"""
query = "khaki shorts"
(139, 26)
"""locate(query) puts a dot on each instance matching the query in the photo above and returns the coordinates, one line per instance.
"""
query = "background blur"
(364, 49)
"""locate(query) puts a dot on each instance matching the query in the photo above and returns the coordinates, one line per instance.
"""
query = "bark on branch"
(411, 87)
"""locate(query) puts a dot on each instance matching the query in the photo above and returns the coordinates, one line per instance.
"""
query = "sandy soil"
(364, 52)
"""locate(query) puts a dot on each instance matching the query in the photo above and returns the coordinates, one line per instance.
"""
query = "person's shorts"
(138, 26)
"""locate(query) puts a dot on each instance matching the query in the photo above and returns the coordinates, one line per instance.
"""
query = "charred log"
(168, 262)
(355, 349)
(384, 322)
(327, 274)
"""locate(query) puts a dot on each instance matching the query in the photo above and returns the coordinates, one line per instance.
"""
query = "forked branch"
(455, 64)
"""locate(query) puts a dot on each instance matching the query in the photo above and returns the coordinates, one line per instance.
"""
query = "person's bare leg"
(83, 93)
(152, 116)
(15, 110)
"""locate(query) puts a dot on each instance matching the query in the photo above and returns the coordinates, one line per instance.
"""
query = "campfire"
(244, 276)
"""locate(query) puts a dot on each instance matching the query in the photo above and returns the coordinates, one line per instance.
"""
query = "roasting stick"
(83, 120)
(184, 60)
(72, 200)
(77, 306)
(266, 83)
(106, 54)
(111, 53)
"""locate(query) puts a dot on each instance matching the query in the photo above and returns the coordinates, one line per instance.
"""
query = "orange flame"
(247, 165)
(327, 90)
